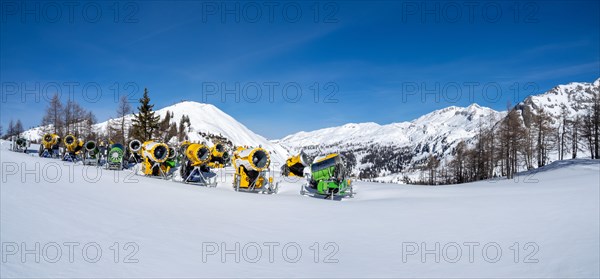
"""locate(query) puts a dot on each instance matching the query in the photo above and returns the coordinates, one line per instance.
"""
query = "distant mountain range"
(378, 152)
(388, 152)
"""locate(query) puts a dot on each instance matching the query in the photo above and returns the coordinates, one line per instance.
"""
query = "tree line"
(144, 124)
(68, 118)
(522, 140)
(13, 129)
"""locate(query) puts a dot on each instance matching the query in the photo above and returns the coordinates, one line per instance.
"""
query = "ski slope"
(552, 213)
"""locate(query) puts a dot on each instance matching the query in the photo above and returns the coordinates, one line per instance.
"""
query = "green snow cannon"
(329, 177)
(115, 157)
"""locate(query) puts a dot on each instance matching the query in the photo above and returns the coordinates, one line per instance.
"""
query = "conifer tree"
(145, 122)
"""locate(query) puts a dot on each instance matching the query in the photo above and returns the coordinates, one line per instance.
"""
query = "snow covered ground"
(542, 224)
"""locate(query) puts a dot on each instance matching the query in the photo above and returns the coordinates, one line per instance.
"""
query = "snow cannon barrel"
(115, 153)
(91, 147)
(72, 143)
(172, 153)
(217, 150)
(295, 165)
(225, 156)
(183, 147)
(49, 140)
(219, 156)
(21, 142)
(155, 151)
(256, 159)
(135, 146)
(328, 167)
(198, 154)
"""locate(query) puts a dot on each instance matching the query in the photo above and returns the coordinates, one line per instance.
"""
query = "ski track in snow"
(556, 208)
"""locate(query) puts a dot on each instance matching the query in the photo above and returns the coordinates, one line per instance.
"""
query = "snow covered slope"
(161, 228)
(408, 142)
(451, 123)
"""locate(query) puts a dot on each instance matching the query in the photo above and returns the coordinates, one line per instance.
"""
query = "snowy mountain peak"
(573, 97)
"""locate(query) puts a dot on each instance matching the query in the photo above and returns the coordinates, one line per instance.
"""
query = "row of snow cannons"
(195, 161)
(74, 149)
(328, 177)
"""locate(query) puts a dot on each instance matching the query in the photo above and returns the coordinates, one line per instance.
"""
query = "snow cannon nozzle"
(135, 145)
(155, 151)
(90, 145)
(198, 154)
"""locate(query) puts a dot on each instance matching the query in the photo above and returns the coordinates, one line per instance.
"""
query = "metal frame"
(268, 188)
(70, 157)
(205, 181)
(161, 173)
(306, 190)
(89, 161)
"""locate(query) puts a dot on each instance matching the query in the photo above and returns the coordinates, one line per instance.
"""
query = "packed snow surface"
(170, 229)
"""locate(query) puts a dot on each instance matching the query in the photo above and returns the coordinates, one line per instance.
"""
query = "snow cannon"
(198, 154)
(49, 140)
(251, 169)
(256, 159)
(91, 147)
(171, 158)
(172, 153)
(294, 166)
(72, 144)
(114, 160)
(217, 156)
(226, 157)
(183, 146)
(154, 154)
(49, 146)
(155, 151)
(134, 148)
(329, 178)
(73, 147)
(195, 165)
(91, 154)
(19, 144)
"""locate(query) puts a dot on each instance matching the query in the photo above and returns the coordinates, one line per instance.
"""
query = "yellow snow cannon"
(50, 140)
(73, 147)
(72, 144)
(198, 154)
(154, 154)
(251, 170)
(194, 166)
(218, 156)
(49, 146)
(294, 166)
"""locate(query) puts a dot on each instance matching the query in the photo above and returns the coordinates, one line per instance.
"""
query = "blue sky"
(369, 61)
